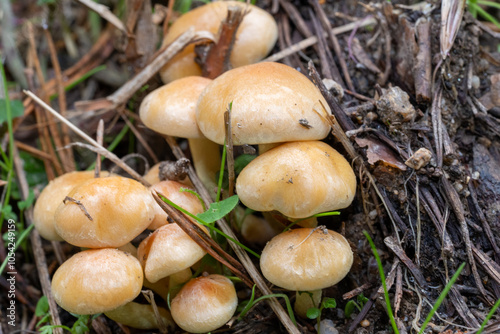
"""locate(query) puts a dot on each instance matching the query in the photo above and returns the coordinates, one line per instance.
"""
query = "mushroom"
(255, 37)
(204, 304)
(306, 259)
(298, 179)
(105, 212)
(50, 198)
(271, 103)
(97, 280)
(166, 251)
(170, 110)
(172, 191)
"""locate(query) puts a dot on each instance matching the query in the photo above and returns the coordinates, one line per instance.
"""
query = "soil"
(425, 222)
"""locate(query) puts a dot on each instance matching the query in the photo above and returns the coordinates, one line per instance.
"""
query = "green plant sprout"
(382, 276)
(488, 317)
(315, 313)
(441, 297)
(192, 192)
(247, 305)
(323, 214)
(352, 305)
(80, 326)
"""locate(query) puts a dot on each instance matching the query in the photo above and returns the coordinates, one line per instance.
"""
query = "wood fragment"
(400, 253)
(105, 13)
(488, 264)
(217, 58)
(422, 72)
(357, 291)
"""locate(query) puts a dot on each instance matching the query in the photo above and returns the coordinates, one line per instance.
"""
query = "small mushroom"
(306, 259)
(97, 280)
(51, 197)
(105, 212)
(270, 104)
(298, 179)
(204, 304)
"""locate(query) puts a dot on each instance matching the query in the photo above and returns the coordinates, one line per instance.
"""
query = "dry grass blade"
(452, 12)
(105, 13)
(95, 145)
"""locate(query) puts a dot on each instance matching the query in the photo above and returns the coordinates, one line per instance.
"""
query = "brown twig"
(229, 152)
(105, 13)
(80, 205)
(217, 58)
(422, 72)
(99, 139)
(400, 253)
(140, 138)
(203, 240)
(67, 158)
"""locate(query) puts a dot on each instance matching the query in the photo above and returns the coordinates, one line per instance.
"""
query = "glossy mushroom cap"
(97, 280)
(306, 259)
(166, 251)
(298, 179)
(173, 191)
(120, 209)
(204, 304)
(255, 37)
(51, 197)
(170, 109)
(271, 103)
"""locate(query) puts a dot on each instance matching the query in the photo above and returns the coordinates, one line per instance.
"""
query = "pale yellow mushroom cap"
(306, 259)
(271, 103)
(170, 109)
(173, 191)
(97, 280)
(120, 208)
(298, 179)
(51, 197)
(166, 251)
(204, 304)
(255, 37)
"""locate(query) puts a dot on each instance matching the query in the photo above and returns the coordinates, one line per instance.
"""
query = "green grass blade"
(488, 317)
(441, 298)
(382, 276)
(84, 77)
(276, 295)
(487, 16)
(489, 3)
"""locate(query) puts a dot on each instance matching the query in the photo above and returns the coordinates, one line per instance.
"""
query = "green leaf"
(349, 308)
(219, 210)
(313, 313)
(42, 306)
(27, 202)
(361, 299)
(329, 303)
(16, 107)
(242, 161)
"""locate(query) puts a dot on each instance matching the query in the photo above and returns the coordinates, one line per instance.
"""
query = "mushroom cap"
(172, 191)
(166, 251)
(204, 304)
(306, 259)
(50, 198)
(120, 208)
(97, 280)
(255, 37)
(269, 103)
(298, 179)
(170, 109)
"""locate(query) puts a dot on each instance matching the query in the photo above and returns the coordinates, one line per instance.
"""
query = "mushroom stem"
(305, 300)
(140, 316)
(206, 161)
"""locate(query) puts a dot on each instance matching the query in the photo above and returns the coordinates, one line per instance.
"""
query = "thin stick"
(230, 152)
(99, 137)
(105, 13)
(82, 134)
